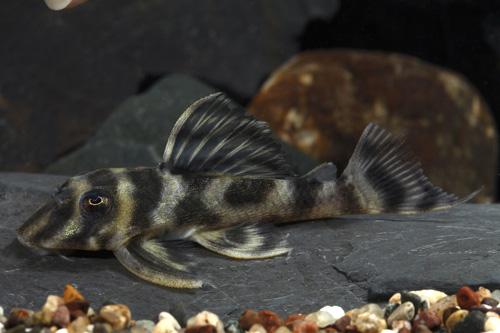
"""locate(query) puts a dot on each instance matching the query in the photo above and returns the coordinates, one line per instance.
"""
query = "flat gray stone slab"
(344, 261)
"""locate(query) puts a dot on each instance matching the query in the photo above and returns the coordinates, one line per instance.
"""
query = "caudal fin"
(383, 177)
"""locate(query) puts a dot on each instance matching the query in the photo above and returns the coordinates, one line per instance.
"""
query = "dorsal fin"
(214, 136)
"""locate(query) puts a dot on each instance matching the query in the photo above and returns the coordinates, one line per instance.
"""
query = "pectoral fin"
(154, 262)
(244, 242)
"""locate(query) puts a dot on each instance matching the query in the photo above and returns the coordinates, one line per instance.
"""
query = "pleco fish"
(222, 183)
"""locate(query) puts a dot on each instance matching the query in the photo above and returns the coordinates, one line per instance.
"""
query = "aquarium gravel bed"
(467, 311)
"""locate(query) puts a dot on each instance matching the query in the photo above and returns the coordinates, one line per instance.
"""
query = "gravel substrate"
(421, 311)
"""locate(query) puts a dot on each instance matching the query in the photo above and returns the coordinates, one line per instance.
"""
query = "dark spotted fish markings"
(223, 183)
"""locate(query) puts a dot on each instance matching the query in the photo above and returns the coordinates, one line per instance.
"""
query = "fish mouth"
(35, 249)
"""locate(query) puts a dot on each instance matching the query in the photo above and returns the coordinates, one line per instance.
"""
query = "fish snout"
(35, 249)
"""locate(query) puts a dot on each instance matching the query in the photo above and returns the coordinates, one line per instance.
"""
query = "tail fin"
(383, 177)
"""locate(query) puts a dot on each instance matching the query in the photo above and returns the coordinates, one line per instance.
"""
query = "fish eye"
(95, 204)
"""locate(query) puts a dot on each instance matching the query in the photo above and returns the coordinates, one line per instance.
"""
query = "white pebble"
(166, 315)
(52, 303)
(496, 294)
(62, 330)
(321, 318)
(369, 322)
(166, 326)
(206, 318)
(2, 328)
(492, 324)
(336, 311)
(257, 328)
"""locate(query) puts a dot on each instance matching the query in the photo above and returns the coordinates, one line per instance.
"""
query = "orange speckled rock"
(466, 297)
(270, 320)
(71, 294)
(321, 101)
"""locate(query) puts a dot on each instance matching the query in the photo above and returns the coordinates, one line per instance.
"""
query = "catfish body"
(222, 183)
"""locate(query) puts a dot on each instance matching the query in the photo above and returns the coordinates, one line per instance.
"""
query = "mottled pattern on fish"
(223, 183)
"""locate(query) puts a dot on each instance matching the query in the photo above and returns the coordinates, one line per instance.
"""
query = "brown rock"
(304, 326)
(428, 319)
(201, 329)
(421, 329)
(117, 315)
(78, 325)
(455, 317)
(248, 318)
(291, 318)
(444, 303)
(42, 318)
(270, 320)
(19, 316)
(61, 317)
(447, 313)
(342, 323)
(321, 101)
(80, 304)
(466, 297)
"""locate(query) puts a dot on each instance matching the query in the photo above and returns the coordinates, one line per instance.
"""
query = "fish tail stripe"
(383, 177)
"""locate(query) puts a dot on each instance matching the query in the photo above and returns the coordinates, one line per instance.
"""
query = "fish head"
(79, 216)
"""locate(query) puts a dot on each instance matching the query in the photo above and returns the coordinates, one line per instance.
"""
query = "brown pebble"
(350, 329)
(102, 328)
(292, 318)
(19, 316)
(428, 319)
(118, 315)
(41, 318)
(342, 323)
(304, 326)
(421, 329)
(79, 304)
(78, 325)
(455, 318)
(270, 320)
(77, 313)
(448, 312)
(466, 297)
(489, 301)
(404, 330)
(201, 329)
(71, 294)
(61, 317)
(248, 318)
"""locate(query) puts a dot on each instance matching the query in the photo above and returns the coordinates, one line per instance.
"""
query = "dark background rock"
(62, 73)
(135, 134)
(344, 261)
(321, 101)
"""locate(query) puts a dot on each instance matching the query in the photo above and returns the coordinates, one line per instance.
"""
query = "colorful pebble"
(466, 297)
(467, 311)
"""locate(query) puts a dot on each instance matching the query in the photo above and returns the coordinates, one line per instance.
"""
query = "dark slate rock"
(339, 261)
(472, 323)
(413, 298)
(64, 72)
(135, 134)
